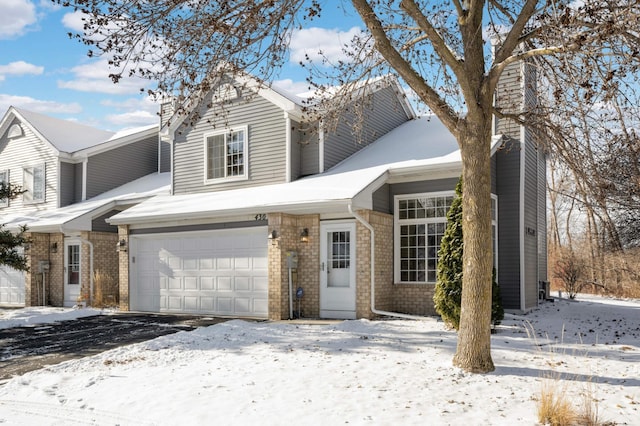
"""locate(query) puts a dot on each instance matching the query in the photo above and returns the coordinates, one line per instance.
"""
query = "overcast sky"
(42, 70)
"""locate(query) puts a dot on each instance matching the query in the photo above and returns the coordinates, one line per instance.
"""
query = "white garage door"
(11, 287)
(222, 272)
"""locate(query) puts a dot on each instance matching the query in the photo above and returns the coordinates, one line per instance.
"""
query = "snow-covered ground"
(357, 372)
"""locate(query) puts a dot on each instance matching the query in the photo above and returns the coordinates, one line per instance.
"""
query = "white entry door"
(338, 270)
(71, 272)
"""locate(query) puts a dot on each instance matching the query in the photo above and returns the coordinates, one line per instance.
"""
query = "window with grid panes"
(420, 224)
(226, 154)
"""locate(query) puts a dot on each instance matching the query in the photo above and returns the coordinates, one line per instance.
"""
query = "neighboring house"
(75, 176)
(265, 202)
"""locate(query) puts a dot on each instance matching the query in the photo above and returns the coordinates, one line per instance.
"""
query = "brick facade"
(404, 298)
(50, 248)
(288, 229)
(123, 261)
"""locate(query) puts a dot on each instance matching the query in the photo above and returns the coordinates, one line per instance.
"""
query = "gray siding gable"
(362, 123)
(266, 126)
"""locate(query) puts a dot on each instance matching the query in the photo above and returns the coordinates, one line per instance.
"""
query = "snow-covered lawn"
(388, 372)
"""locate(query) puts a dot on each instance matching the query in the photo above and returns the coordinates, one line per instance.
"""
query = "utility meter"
(292, 259)
(43, 266)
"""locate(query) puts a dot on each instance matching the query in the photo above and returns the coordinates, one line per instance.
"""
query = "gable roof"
(417, 147)
(72, 139)
(63, 135)
(77, 217)
(292, 104)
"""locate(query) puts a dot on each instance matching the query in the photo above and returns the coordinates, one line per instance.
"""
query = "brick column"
(288, 229)
(123, 268)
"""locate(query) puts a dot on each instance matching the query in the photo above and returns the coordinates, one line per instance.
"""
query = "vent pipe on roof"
(372, 273)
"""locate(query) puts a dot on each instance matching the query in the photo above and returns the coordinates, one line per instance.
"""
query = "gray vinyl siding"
(508, 191)
(382, 113)
(28, 151)
(78, 176)
(309, 150)
(99, 224)
(542, 216)
(296, 151)
(121, 165)
(67, 184)
(165, 156)
(531, 222)
(382, 200)
(266, 140)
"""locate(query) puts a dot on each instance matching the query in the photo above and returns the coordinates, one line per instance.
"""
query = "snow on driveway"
(356, 372)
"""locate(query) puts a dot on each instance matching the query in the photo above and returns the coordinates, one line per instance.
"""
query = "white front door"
(71, 272)
(337, 270)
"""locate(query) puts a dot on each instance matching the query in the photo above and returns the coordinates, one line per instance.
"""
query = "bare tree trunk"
(474, 336)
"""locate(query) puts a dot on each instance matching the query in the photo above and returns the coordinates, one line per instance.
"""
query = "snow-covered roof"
(64, 135)
(421, 145)
(77, 217)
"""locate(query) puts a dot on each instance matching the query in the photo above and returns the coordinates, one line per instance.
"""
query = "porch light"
(273, 236)
(121, 245)
(54, 247)
(304, 235)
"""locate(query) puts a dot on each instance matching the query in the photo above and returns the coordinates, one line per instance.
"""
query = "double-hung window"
(34, 184)
(226, 154)
(4, 180)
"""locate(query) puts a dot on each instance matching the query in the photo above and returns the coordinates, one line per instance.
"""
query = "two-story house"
(272, 214)
(75, 176)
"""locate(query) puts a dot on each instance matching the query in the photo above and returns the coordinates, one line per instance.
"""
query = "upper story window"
(226, 154)
(34, 184)
(4, 179)
(420, 223)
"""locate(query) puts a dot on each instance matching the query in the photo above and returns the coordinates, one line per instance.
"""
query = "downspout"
(372, 272)
(90, 244)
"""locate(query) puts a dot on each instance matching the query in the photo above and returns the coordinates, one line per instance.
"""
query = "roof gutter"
(372, 273)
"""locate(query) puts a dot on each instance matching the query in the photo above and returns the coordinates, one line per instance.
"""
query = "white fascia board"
(204, 216)
(422, 172)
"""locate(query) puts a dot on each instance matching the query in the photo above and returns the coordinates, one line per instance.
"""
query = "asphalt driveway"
(24, 349)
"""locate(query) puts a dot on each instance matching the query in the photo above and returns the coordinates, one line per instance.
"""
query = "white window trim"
(29, 187)
(4, 202)
(245, 155)
(396, 231)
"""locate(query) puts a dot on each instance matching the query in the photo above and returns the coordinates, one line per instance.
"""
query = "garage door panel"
(242, 305)
(261, 284)
(224, 263)
(207, 283)
(224, 305)
(224, 284)
(207, 303)
(207, 264)
(221, 272)
(261, 306)
(242, 284)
